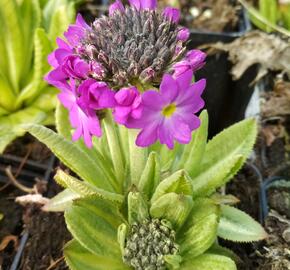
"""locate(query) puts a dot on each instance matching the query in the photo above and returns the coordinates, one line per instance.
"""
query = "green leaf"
(7, 100)
(200, 230)
(79, 258)
(31, 19)
(137, 208)
(63, 127)
(224, 199)
(85, 189)
(101, 144)
(236, 225)
(62, 201)
(168, 159)
(269, 10)
(61, 17)
(94, 223)
(172, 207)
(3, 111)
(9, 11)
(209, 262)
(62, 123)
(285, 16)
(6, 137)
(194, 151)
(178, 183)
(10, 125)
(219, 250)
(173, 261)
(150, 177)
(72, 156)
(262, 22)
(42, 47)
(216, 176)
(4, 68)
(46, 100)
(122, 235)
(224, 156)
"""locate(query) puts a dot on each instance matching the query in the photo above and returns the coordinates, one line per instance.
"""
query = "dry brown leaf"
(272, 132)
(215, 15)
(277, 102)
(32, 199)
(7, 239)
(269, 51)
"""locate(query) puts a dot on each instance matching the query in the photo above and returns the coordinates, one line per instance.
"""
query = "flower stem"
(137, 157)
(115, 149)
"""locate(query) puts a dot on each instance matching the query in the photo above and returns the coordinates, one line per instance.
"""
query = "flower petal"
(121, 114)
(165, 133)
(143, 4)
(152, 100)
(172, 14)
(135, 3)
(196, 59)
(148, 135)
(151, 4)
(168, 88)
(183, 34)
(51, 59)
(81, 22)
(116, 6)
(182, 134)
(192, 94)
(184, 80)
(106, 99)
(191, 120)
(63, 45)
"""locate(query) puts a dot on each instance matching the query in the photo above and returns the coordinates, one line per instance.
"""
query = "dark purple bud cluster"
(133, 45)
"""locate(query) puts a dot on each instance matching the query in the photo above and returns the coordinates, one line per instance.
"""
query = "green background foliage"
(28, 30)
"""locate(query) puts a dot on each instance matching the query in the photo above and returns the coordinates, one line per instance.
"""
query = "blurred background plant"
(270, 15)
(28, 30)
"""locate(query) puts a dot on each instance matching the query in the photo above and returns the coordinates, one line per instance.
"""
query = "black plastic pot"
(30, 169)
(33, 169)
(264, 201)
(226, 100)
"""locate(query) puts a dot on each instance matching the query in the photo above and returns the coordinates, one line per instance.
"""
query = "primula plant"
(155, 209)
(118, 63)
(28, 31)
(132, 203)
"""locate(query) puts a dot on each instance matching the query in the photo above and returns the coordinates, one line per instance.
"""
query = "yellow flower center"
(169, 110)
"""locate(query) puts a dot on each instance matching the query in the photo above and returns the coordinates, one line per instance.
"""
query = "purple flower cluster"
(167, 114)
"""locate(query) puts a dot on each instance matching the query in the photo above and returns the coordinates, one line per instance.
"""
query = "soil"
(271, 158)
(29, 160)
(10, 225)
(246, 187)
(275, 255)
(279, 197)
(28, 145)
(91, 9)
(210, 15)
(47, 236)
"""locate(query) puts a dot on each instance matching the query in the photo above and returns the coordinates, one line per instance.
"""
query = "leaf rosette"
(138, 208)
